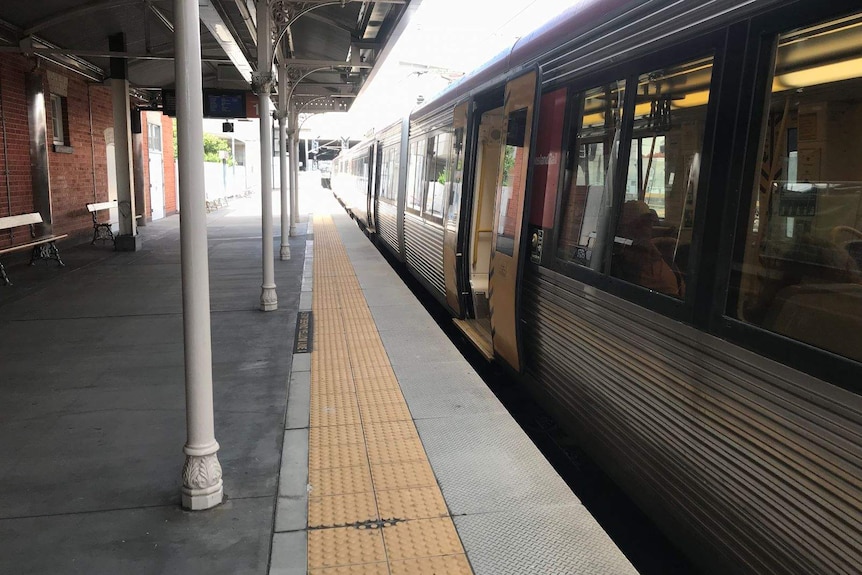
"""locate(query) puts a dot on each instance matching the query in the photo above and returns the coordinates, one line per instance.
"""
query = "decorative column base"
(292, 232)
(285, 253)
(202, 484)
(268, 299)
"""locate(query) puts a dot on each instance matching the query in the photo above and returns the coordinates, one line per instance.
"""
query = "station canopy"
(333, 46)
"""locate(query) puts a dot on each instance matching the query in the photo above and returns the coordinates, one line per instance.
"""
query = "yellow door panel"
(509, 213)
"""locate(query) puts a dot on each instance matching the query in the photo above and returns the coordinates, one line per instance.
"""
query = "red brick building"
(70, 155)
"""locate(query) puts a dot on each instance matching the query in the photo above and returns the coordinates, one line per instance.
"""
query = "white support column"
(263, 81)
(202, 479)
(294, 167)
(282, 161)
(127, 236)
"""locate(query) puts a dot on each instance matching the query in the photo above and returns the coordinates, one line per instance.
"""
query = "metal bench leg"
(48, 251)
(6, 280)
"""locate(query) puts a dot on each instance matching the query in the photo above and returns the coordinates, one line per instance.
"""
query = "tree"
(212, 146)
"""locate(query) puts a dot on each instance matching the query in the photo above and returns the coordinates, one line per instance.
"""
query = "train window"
(438, 173)
(798, 271)
(586, 198)
(389, 174)
(457, 174)
(654, 228)
(510, 197)
(415, 175)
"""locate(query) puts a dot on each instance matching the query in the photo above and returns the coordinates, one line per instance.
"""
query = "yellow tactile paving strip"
(374, 506)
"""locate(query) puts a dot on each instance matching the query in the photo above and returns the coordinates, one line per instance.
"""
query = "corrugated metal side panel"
(649, 26)
(387, 225)
(759, 463)
(436, 120)
(424, 250)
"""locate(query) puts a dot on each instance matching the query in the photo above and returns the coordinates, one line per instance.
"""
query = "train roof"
(578, 18)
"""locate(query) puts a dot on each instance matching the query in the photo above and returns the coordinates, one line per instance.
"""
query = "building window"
(59, 120)
(154, 137)
(797, 273)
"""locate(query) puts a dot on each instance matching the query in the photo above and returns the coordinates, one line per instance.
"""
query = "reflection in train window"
(457, 174)
(654, 228)
(798, 272)
(513, 179)
(389, 174)
(415, 175)
(437, 173)
(586, 198)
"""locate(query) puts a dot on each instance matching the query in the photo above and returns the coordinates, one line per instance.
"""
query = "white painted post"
(294, 167)
(283, 89)
(202, 479)
(263, 79)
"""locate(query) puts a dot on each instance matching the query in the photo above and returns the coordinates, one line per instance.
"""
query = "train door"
(508, 216)
(477, 249)
(451, 254)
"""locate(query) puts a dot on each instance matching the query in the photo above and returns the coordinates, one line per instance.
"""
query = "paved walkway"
(92, 406)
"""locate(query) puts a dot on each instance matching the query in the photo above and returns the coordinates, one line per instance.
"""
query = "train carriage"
(652, 213)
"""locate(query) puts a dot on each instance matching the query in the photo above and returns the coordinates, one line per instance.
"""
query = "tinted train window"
(654, 226)
(586, 197)
(798, 272)
(513, 182)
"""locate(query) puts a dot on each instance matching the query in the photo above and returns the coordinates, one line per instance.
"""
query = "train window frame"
(712, 45)
(762, 38)
(417, 177)
(427, 214)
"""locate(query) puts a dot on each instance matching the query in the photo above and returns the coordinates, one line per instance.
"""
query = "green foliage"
(213, 145)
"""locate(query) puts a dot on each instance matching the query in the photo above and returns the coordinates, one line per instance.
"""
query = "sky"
(451, 37)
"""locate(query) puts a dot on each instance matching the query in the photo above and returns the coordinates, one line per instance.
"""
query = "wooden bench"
(102, 229)
(43, 247)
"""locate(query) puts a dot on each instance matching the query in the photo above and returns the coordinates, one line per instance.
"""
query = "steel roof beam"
(95, 6)
(99, 54)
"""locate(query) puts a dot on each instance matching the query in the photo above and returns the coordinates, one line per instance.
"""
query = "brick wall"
(168, 157)
(80, 177)
(77, 178)
(17, 189)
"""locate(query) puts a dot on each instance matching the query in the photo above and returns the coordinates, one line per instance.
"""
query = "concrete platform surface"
(92, 405)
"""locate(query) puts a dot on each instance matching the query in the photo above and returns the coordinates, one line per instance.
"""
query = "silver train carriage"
(652, 212)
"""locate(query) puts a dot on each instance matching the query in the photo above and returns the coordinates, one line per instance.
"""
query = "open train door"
(518, 109)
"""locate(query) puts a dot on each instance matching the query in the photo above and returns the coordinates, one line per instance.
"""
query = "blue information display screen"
(223, 104)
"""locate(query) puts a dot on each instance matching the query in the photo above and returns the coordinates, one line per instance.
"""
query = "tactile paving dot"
(390, 431)
(328, 456)
(338, 481)
(340, 409)
(335, 434)
(417, 503)
(422, 538)
(388, 395)
(403, 475)
(442, 565)
(394, 451)
(375, 413)
(366, 569)
(341, 509)
(344, 546)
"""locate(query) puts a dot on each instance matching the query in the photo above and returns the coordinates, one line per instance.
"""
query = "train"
(651, 214)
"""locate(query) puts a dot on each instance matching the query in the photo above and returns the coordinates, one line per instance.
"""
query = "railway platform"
(354, 436)
(397, 457)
